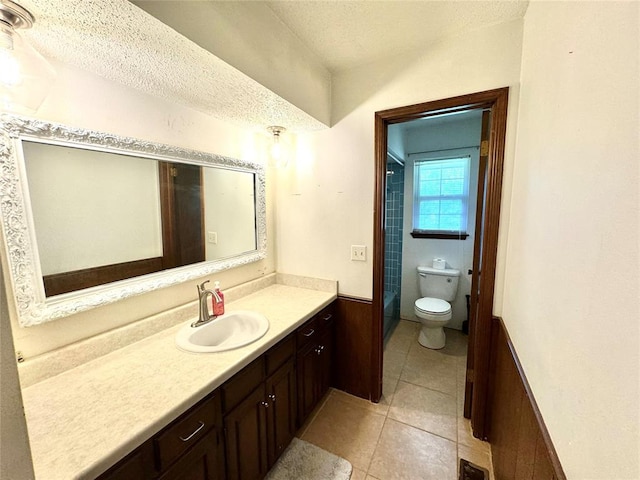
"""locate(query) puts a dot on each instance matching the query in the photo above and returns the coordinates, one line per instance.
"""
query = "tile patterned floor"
(417, 431)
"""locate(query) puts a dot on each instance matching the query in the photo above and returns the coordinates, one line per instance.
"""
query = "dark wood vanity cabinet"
(240, 430)
(281, 414)
(246, 438)
(260, 427)
(204, 461)
(314, 361)
(188, 448)
(137, 465)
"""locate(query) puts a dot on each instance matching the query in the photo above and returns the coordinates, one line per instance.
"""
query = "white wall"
(395, 140)
(454, 133)
(88, 101)
(571, 283)
(325, 197)
(15, 452)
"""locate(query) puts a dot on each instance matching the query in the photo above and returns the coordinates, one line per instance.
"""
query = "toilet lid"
(433, 305)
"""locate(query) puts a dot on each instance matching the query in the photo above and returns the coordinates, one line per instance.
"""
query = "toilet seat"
(433, 306)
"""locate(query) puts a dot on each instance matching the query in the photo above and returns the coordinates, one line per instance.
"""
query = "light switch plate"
(359, 253)
(212, 237)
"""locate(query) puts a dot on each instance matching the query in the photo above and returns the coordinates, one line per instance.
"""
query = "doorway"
(495, 102)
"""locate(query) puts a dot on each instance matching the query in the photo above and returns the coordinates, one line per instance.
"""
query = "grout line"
(386, 417)
(454, 395)
(355, 405)
(423, 430)
(431, 389)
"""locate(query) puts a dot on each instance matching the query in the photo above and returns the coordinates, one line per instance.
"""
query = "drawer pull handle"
(264, 404)
(200, 427)
(272, 397)
(308, 334)
(328, 317)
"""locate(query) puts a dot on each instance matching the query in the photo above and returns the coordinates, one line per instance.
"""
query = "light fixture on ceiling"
(277, 155)
(25, 76)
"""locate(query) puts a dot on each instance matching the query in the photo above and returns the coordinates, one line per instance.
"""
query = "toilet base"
(433, 338)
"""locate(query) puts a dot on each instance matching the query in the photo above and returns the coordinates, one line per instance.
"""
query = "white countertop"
(86, 419)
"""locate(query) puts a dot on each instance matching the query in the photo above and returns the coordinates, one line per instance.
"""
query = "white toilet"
(438, 287)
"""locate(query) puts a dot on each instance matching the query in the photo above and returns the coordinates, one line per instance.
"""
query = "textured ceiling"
(118, 41)
(345, 34)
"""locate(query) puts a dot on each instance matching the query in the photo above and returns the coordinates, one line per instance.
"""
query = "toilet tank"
(438, 283)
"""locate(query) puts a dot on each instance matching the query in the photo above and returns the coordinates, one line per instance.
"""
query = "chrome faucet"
(203, 295)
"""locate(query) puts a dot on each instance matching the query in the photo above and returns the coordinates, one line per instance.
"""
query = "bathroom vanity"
(128, 396)
(151, 410)
(127, 402)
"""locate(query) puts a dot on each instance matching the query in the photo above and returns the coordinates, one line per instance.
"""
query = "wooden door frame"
(477, 257)
(495, 100)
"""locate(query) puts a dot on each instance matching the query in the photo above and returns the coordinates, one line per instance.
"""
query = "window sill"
(440, 235)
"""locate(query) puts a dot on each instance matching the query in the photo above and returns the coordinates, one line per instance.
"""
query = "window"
(441, 198)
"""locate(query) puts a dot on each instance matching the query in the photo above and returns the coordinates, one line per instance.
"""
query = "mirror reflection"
(96, 218)
(101, 217)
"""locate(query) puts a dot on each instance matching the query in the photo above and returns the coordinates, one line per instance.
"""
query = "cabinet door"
(205, 461)
(246, 438)
(281, 413)
(325, 366)
(307, 381)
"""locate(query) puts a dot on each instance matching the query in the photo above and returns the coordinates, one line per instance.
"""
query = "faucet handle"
(201, 286)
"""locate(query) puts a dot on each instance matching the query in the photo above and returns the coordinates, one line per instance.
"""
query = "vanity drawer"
(307, 332)
(242, 384)
(185, 432)
(326, 317)
(279, 354)
(137, 465)
(314, 328)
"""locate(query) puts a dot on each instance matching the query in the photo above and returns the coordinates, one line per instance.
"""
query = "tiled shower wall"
(393, 231)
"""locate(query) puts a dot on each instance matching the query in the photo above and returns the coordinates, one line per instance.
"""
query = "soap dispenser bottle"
(218, 300)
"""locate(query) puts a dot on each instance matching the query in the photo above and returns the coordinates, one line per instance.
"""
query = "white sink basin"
(228, 331)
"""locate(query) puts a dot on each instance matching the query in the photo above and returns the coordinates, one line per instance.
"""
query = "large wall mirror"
(90, 218)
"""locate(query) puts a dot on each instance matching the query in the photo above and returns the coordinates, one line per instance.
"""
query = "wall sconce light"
(277, 155)
(25, 76)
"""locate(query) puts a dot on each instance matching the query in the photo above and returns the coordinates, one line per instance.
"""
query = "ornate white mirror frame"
(20, 247)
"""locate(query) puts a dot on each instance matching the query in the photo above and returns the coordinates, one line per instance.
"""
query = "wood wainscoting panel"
(520, 443)
(354, 346)
(65, 282)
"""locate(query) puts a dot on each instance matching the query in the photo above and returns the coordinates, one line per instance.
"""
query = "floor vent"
(471, 471)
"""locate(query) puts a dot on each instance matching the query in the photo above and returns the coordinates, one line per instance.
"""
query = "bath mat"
(304, 461)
